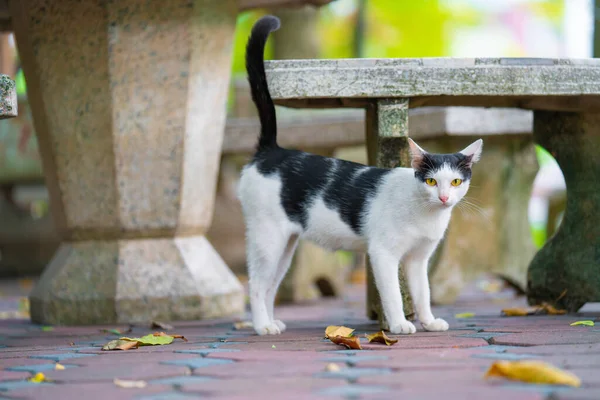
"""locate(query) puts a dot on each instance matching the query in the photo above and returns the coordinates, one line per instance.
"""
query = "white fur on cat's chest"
(326, 229)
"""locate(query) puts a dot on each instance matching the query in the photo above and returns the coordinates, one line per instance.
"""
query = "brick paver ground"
(221, 362)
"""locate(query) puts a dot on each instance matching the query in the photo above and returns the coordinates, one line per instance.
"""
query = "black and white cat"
(395, 214)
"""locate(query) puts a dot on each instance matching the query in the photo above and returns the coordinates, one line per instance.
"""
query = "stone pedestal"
(128, 100)
(387, 147)
(566, 271)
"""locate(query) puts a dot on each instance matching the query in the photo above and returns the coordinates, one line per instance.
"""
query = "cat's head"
(444, 178)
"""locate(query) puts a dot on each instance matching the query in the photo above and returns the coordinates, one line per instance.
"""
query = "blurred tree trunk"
(298, 37)
(359, 29)
(596, 29)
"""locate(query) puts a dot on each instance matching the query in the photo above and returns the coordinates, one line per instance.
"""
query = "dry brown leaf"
(532, 372)
(119, 344)
(381, 337)
(348, 342)
(129, 384)
(173, 336)
(519, 312)
(549, 308)
(160, 325)
(544, 308)
(333, 331)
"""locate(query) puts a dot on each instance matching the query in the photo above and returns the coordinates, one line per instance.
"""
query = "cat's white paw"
(268, 329)
(437, 325)
(404, 327)
(280, 324)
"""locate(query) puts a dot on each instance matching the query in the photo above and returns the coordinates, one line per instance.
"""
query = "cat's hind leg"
(282, 269)
(266, 247)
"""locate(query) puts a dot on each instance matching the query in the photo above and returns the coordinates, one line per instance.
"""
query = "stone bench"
(130, 131)
(563, 94)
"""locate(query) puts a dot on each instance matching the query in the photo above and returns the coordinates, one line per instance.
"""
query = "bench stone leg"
(566, 271)
(129, 110)
(387, 146)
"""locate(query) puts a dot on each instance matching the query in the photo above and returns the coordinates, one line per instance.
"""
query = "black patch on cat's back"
(350, 188)
(344, 185)
(302, 175)
(434, 162)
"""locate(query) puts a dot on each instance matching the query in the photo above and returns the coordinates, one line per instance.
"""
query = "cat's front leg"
(385, 271)
(415, 264)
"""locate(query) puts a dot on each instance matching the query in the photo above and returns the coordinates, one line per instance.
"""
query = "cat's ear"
(473, 151)
(416, 153)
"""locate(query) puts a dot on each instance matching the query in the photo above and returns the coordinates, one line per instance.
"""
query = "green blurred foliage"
(406, 28)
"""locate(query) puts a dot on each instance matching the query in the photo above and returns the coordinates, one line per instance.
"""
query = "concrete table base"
(135, 281)
(128, 100)
(567, 268)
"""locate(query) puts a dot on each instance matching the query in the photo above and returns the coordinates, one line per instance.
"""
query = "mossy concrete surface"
(566, 271)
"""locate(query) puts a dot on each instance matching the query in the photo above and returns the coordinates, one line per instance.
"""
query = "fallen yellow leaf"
(348, 342)
(59, 367)
(381, 337)
(38, 378)
(333, 331)
(586, 323)
(465, 315)
(129, 384)
(242, 325)
(532, 372)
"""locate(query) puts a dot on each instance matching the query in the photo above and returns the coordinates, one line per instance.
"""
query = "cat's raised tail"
(255, 65)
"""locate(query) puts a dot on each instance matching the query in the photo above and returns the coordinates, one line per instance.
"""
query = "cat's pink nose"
(444, 199)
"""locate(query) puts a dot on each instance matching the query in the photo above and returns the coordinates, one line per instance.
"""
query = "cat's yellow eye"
(456, 182)
(430, 181)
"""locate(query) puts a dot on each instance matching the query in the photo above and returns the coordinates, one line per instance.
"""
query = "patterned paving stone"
(87, 391)
(484, 335)
(12, 385)
(13, 375)
(128, 357)
(276, 387)
(215, 345)
(108, 372)
(585, 394)
(549, 337)
(202, 362)
(261, 370)
(205, 352)
(355, 360)
(169, 396)
(353, 391)
(352, 374)
(61, 357)
(182, 380)
(505, 356)
(37, 368)
(545, 390)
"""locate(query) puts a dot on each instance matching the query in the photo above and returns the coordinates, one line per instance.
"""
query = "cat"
(394, 215)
